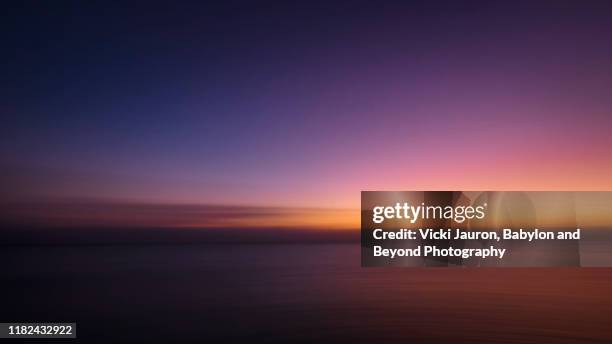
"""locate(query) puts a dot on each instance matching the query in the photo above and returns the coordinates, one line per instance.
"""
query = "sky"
(302, 105)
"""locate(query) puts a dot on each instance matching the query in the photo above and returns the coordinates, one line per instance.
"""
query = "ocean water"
(295, 293)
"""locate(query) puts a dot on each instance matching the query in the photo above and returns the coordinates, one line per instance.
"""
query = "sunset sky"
(301, 106)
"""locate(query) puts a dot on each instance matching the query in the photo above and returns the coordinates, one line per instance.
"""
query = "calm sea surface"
(293, 292)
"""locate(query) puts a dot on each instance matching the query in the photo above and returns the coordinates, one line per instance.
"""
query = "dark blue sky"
(256, 102)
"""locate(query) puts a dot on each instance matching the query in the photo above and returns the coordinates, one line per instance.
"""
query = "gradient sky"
(303, 105)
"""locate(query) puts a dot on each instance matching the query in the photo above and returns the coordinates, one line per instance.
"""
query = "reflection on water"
(291, 292)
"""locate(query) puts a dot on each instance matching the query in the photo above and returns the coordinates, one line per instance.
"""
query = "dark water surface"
(294, 292)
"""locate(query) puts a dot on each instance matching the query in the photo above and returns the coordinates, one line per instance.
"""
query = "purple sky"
(304, 105)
